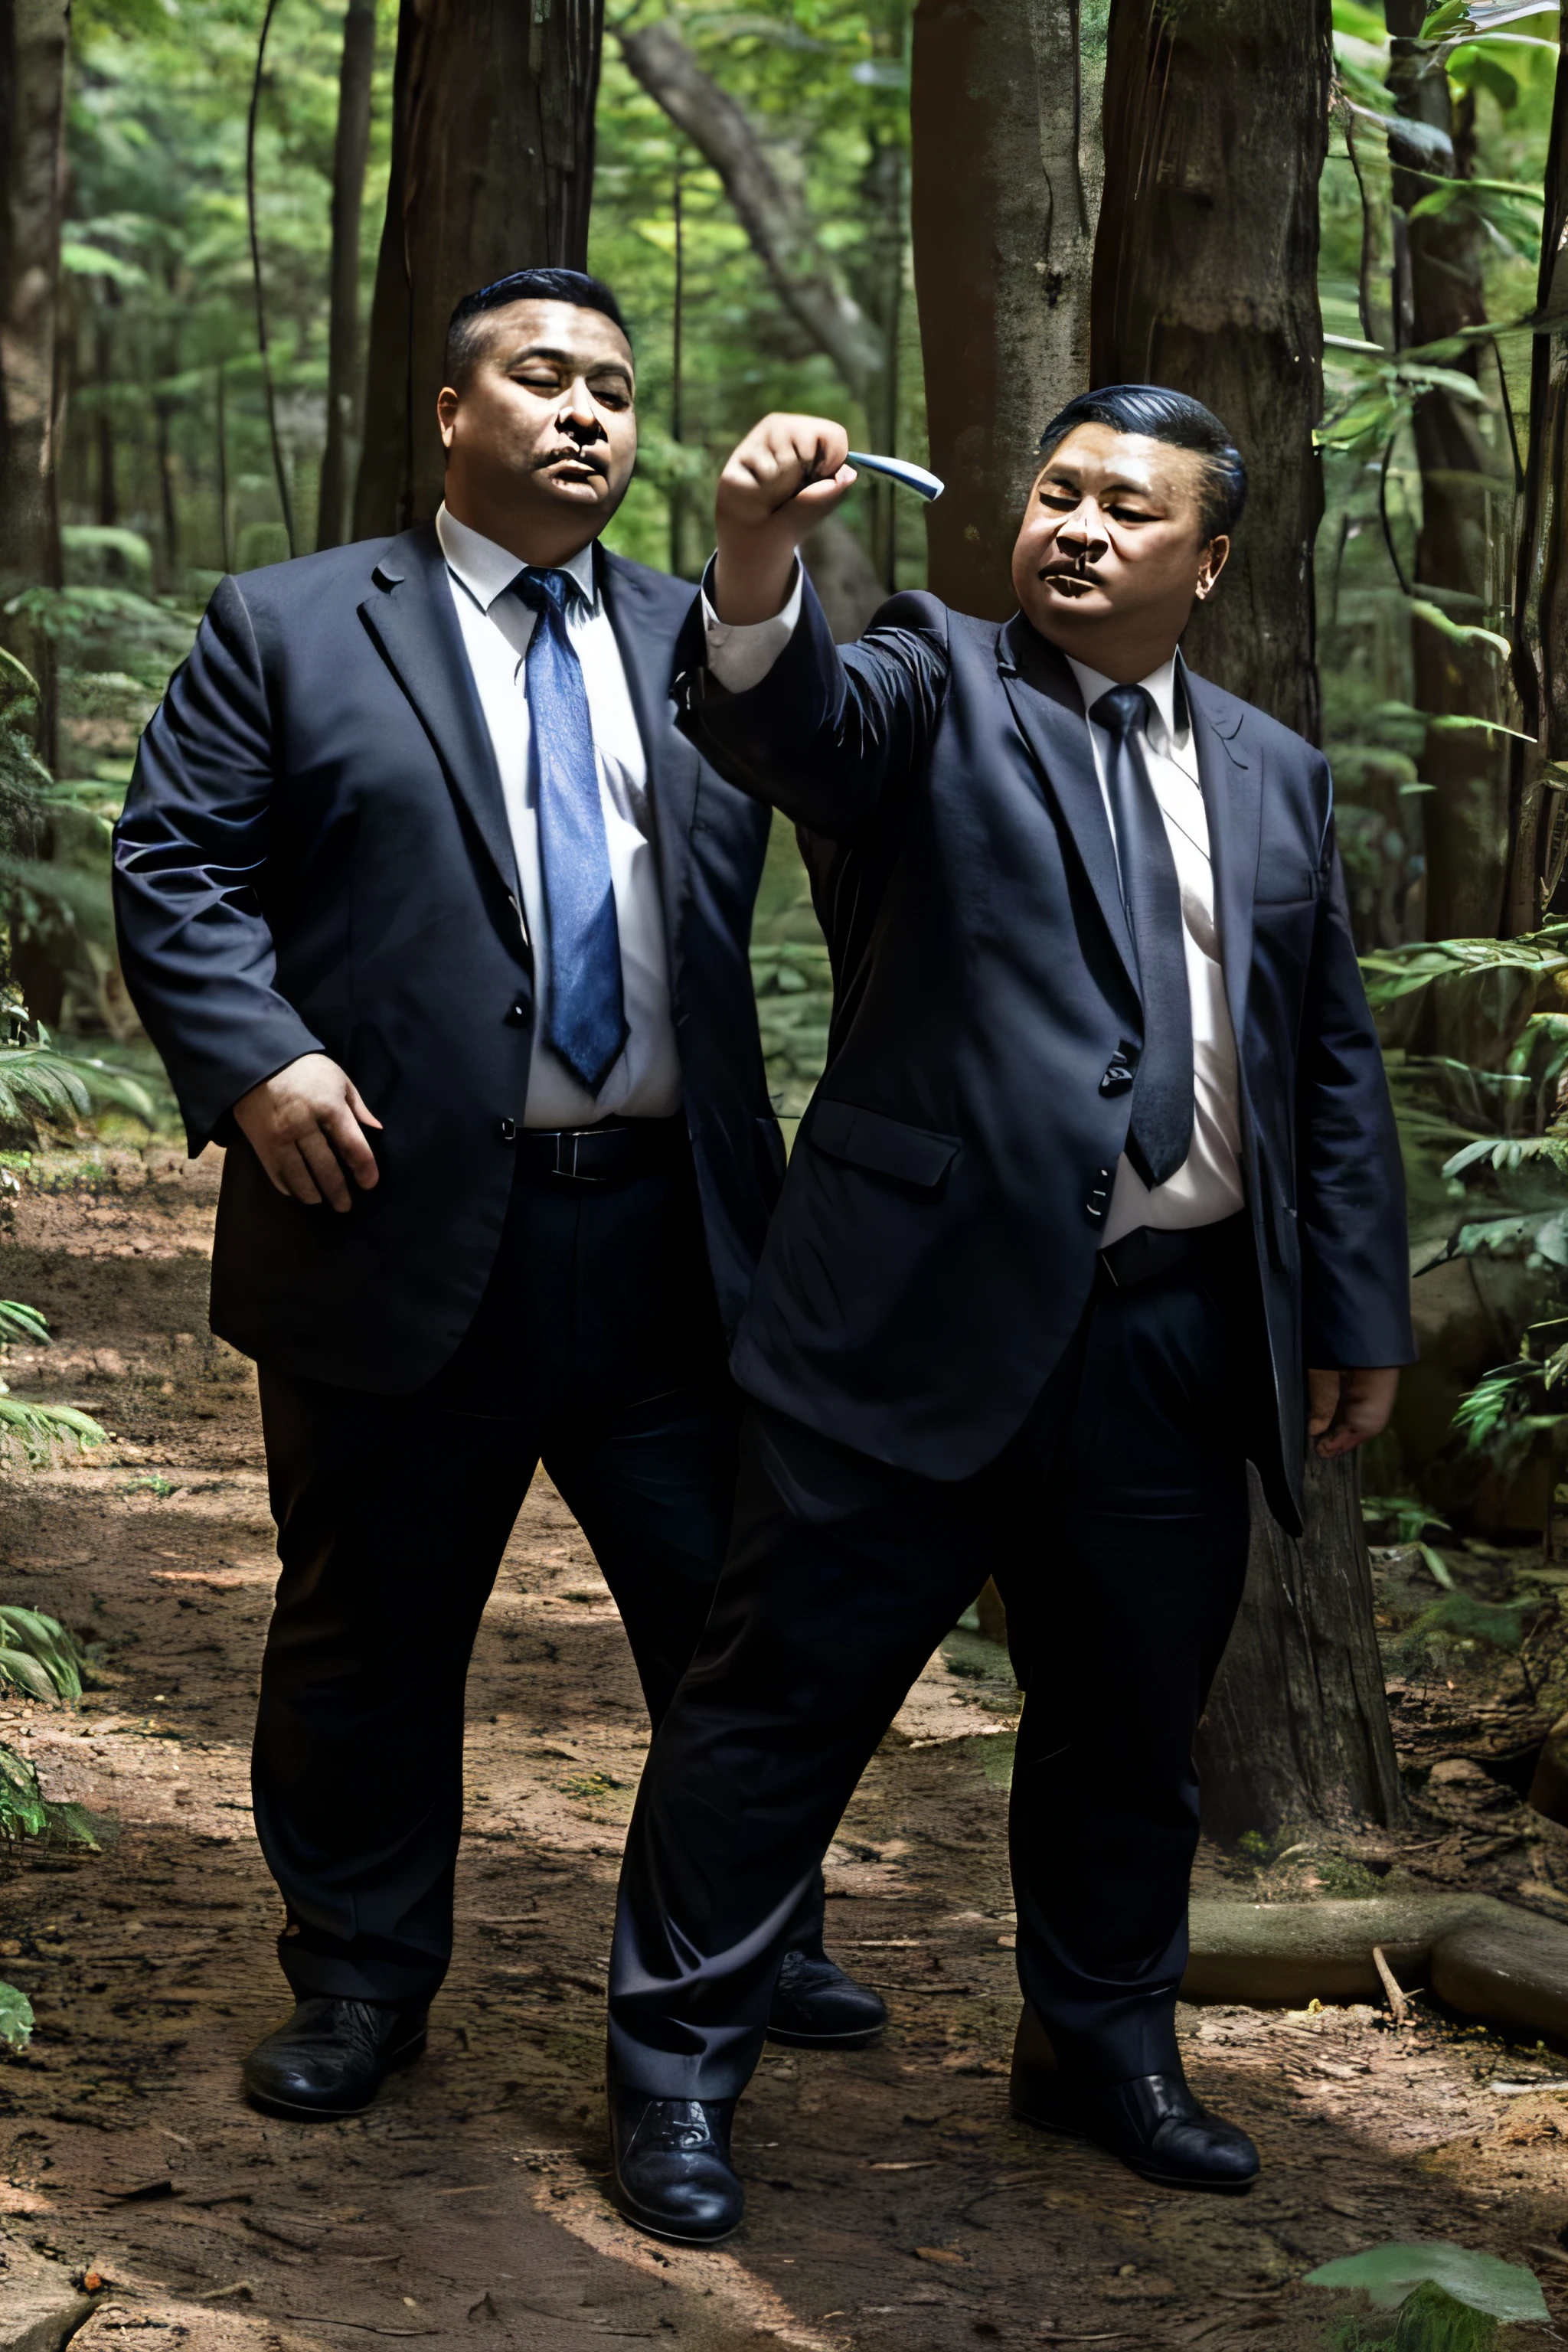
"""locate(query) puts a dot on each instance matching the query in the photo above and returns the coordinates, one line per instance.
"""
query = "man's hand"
(305, 1120)
(788, 475)
(1344, 1409)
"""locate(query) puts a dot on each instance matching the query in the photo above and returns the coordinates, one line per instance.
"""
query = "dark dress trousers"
(949, 1380)
(315, 857)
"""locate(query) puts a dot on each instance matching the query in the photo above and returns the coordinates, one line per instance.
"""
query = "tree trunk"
(772, 213)
(1297, 1727)
(478, 188)
(1537, 817)
(1005, 185)
(1205, 279)
(349, 156)
(103, 422)
(33, 45)
(1463, 556)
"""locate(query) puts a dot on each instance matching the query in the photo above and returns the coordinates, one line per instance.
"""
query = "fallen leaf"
(939, 2255)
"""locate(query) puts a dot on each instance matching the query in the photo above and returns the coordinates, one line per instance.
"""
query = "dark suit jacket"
(936, 1244)
(315, 855)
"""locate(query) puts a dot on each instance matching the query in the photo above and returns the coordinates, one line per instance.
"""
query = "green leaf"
(1437, 1564)
(15, 2017)
(23, 1323)
(1458, 631)
(1503, 2291)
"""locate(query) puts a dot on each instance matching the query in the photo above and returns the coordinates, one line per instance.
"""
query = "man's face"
(1112, 551)
(543, 435)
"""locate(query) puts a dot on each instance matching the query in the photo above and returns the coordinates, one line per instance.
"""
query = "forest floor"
(894, 2205)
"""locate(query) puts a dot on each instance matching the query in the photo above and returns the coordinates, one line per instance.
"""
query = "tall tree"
(33, 37)
(477, 188)
(1205, 279)
(349, 152)
(1539, 814)
(1467, 496)
(1005, 187)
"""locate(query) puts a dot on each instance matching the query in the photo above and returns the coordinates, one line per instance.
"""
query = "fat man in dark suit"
(442, 929)
(1099, 1198)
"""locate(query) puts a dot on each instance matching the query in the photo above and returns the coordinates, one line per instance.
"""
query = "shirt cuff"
(740, 654)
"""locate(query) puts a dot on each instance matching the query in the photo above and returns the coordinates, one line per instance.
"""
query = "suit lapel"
(1049, 712)
(409, 615)
(646, 646)
(1230, 769)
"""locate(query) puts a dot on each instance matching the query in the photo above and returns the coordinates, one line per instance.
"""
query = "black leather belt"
(1150, 1252)
(611, 1154)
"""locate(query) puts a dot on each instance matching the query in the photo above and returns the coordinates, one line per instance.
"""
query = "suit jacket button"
(506, 1128)
(519, 1014)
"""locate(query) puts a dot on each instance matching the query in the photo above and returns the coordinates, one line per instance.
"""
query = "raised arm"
(190, 858)
(761, 689)
(1355, 1250)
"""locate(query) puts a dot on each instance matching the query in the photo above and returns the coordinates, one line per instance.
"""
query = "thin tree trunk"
(1464, 553)
(32, 48)
(103, 422)
(1003, 197)
(1205, 279)
(349, 157)
(1537, 817)
(772, 213)
(478, 189)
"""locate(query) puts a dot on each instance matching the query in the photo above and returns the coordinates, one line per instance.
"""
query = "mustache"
(572, 453)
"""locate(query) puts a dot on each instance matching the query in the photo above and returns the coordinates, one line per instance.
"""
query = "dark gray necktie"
(1159, 1135)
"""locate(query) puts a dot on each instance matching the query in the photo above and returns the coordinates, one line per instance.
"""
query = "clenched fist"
(306, 1124)
(786, 477)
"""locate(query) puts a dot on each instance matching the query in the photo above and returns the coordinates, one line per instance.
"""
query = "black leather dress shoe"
(817, 2007)
(333, 2056)
(673, 2174)
(1152, 2123)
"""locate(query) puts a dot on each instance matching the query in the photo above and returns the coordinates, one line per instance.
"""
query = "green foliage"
(15, 2017)
(39, 1657)
(1431, 2286)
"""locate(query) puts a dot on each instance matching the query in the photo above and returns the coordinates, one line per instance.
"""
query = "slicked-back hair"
(466, 334)
(1173, 417)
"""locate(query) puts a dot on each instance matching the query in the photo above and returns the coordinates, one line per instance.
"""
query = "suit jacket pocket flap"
(886, 1146)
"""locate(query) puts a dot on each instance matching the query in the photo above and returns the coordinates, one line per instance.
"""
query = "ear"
(447, 413)
(1214, 562)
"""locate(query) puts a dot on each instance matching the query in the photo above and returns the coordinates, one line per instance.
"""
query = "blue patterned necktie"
(1160, 1134)
(585, 1018)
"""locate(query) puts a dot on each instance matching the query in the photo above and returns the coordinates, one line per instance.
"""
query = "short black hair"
(465, 338)
(1164, 415)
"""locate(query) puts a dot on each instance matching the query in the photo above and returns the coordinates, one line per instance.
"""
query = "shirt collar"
(1169, 729)
(488, 571)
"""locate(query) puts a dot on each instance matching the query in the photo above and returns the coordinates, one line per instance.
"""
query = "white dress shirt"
(646, 1081)
(1207, 1186)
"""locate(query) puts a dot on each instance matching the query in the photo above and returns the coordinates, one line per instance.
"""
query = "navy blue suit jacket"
(315, 857)
(936, 1244)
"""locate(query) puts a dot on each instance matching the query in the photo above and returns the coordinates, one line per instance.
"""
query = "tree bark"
(1297, 1727)
(478, 188)
(349, 156)
(1464, 551)
(1205, 279)
(1537, 817)
(773, 216)
(33, 47)
(1006, 189)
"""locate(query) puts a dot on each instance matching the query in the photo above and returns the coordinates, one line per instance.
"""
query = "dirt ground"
(893, 2203)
